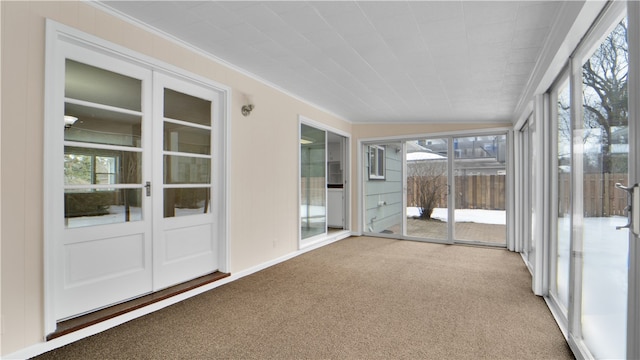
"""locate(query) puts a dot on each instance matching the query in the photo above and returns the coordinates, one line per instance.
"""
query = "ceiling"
(372, 62)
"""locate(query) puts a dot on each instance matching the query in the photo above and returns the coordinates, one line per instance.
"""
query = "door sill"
(68, 326)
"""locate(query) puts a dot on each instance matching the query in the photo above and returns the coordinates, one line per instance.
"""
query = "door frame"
(633, 307)
(57, 37)
(320, 239)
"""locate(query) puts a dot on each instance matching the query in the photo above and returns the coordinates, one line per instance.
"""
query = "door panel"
(602, 140)
(185, 245)
(560, 283)
(428, 188)
(104, 251)
(313, 182)
(480, 189)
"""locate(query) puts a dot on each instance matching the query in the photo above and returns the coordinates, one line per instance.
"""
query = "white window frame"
(377, 162)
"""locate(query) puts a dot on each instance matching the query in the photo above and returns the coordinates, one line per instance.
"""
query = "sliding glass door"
(601, 150)
(313, 183)
(589, 258)
(480, 189)
(442, 189)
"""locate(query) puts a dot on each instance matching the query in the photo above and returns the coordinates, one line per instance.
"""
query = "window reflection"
(90, 207)
(186, 201)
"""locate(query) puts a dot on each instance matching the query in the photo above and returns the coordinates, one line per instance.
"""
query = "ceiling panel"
(378, 61)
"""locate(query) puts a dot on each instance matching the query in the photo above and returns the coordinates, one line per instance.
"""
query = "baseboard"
(45, 346)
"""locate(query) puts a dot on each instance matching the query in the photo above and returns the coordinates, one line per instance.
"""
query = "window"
(376, 162)
(86, 169)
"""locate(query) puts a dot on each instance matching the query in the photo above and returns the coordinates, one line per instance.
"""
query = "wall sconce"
(69, 121)
(247, 109)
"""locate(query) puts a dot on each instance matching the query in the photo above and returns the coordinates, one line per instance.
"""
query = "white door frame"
(58, 35)
(633, 34)
(320, 239)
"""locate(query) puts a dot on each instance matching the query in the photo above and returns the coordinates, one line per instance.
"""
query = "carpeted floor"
(360, 298)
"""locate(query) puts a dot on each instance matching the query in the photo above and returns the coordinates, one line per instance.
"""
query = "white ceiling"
(397, 61)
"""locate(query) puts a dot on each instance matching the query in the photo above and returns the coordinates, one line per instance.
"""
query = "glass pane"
(186, 170)
(186, 201)
(313, 183)
(480, 184)
(427, 188)
(603, 143)
(563, 239)
(88, 83)
(188, 139)
(102, 126)
(179, 106)
(532, 178)
(92, 207)
(84, 166)
(383, 196)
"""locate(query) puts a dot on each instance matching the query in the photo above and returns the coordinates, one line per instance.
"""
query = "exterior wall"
(263, 209)
(388, 191)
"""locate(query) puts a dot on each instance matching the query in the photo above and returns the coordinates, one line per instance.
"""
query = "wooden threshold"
(81, 322)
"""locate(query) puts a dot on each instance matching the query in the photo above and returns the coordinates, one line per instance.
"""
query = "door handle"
(148, 187)
(633, 203)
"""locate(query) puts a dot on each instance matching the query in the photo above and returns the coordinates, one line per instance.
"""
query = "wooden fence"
(472, 192)
(488, 192)
(600, 198)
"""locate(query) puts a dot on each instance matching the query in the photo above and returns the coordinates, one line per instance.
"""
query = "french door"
(133, 211)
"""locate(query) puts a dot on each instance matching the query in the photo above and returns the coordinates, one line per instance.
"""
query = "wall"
(262, 211)
(383, 198)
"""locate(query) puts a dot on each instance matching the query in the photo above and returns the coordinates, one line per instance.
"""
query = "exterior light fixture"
(246, 109)
(69, 121)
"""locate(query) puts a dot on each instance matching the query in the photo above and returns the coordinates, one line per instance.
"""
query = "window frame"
(377, 162)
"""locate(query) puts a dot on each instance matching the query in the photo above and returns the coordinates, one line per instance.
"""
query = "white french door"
(102, 251)
(184, 222)
(132, 203)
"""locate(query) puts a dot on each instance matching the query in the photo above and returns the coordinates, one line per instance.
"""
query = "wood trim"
(68, 326)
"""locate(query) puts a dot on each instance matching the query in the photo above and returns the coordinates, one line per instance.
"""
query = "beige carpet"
(360, 298)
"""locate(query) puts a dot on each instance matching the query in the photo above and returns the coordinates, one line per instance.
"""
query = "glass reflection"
(99, 126)
(92, 84)
(91, 207)
(313, 184)
(186, 201)
(179, 106)
(180, 138)
(84, 166)
(186, 170)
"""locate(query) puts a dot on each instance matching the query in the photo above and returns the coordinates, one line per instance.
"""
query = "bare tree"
(429, 184)
(605, 94)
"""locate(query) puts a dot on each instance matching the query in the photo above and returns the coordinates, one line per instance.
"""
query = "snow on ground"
(604, 282)
(495, 217)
